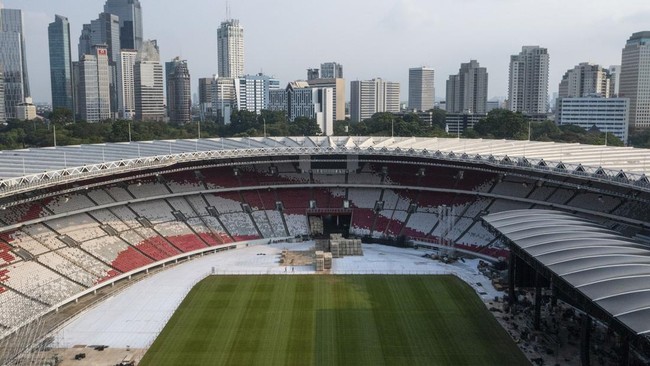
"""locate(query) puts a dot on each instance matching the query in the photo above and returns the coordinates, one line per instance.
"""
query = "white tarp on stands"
(135, 316)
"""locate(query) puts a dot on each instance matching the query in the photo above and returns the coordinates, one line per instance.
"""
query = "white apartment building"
(126, 97)
(373, 96)
(528, 81)
(585, 79)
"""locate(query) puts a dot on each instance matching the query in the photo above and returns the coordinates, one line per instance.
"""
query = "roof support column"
(624, 352)
(511, 279)
(585, 339)
(538, 302)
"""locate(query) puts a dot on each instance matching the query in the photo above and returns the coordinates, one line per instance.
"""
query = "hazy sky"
(371, 38)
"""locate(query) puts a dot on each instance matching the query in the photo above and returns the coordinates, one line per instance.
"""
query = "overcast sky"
(371, 38)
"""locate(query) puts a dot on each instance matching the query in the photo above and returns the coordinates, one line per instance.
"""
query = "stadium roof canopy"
(29, 167)
(612, 271)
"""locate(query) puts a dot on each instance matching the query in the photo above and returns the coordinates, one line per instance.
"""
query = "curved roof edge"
(24, 170)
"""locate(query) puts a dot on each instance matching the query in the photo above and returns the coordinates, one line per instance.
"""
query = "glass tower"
(13, 60)
(130, 14)
(61, 63)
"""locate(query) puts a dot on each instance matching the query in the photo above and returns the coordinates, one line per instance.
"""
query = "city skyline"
(552, 25)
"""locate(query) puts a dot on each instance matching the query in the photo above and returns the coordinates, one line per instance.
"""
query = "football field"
(333, 320)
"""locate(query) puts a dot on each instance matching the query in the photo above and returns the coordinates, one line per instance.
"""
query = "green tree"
(303, 126)
(503, 124)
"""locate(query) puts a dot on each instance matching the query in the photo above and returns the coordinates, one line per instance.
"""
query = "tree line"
(499, 124)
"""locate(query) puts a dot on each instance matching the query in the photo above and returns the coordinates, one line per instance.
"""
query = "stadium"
(85, 228)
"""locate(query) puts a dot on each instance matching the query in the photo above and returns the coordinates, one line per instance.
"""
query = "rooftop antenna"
(228, 10)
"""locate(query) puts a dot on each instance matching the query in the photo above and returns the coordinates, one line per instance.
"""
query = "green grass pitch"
(333, 320)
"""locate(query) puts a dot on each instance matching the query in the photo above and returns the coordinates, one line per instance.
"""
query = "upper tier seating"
(100, 196)
(224, 203)
(23, 212)
(181, 204)
(184, 181)
(198, 204)
(155, 211)
(106, 217)
(147, 188)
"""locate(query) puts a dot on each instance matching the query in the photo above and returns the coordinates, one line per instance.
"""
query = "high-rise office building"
(338, 88)
(373, 96)
(85, 46)
(94, 103)
(106, 30)
(3, 115)
(422, 93)
(13, 60)
(230, 49)
(467, 91)
(635, 78)
(253, 92)
(130, 16)
(61, 64)
(614, 80)
(126, 98)
(331, 70)
(330, 75)
(299, 99)
(585, 79)
(149, 85)
(179, 91)
(528, 81)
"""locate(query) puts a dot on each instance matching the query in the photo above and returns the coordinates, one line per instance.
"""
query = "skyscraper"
(331, 70)
(94, 102)
(105, 30)
(373, 96)
(583, 80)
(422, 93)
(230, 49)
(85, 41)
(179, 99)
(130, 16)
(126, 98)
(615, 80)
(13, 60)
(528, 82)
(3, 115)
(635, 78)
(61, 63)
(149, 85)
(467, 91)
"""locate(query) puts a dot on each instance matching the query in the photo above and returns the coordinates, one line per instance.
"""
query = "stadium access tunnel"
(602, 274)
